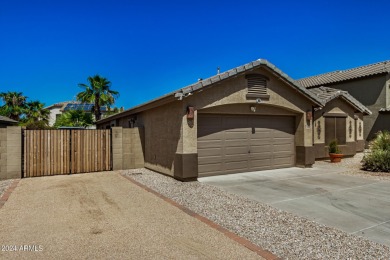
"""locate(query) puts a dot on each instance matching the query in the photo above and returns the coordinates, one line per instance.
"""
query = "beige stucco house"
(250, 118)
(57, 109)
(370, 84)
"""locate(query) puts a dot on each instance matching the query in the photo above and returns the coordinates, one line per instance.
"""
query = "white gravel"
(284, 234)
(4, 186)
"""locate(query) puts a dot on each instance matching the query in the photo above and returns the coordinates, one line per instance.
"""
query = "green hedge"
(378, 160)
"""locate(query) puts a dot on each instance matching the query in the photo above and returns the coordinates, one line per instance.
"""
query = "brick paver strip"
(263, 253)
(8, 192)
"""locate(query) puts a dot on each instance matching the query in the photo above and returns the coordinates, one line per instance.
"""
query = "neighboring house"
(57, 109)
(250, 118)
(5, 121)
(369, 84)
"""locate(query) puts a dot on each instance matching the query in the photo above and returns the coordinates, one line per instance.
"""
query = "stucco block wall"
(163, 136)
(127, 148)
(373, 93)
(10, 152)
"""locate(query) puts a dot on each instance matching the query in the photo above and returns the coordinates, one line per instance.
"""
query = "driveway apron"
(103, 216)
(353, 204)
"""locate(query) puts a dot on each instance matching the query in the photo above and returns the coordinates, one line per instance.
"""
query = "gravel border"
(4, 186)
(280, 232)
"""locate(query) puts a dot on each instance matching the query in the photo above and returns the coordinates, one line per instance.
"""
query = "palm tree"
(14, 104)
(99, 93)
(74, 118)
(35, 112)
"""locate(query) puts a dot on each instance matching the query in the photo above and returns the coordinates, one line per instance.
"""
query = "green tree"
(35, 112)
(99, 93)
(14, 104)
(76, 118)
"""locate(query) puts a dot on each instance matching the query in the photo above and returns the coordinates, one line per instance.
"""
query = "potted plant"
(334, 152)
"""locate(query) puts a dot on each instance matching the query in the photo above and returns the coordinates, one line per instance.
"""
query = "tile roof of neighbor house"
(327, 94)
(222, 76)
(7, 119)
(86, 107)
(75, 105)
(60, 104)
(343, 75)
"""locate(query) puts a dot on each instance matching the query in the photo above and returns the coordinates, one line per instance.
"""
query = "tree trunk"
(97, 109)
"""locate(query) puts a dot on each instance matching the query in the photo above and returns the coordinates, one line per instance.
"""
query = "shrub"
(378, 160)
(334, 147)
(381, 141)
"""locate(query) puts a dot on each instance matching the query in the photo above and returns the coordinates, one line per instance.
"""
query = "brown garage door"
(237, 143)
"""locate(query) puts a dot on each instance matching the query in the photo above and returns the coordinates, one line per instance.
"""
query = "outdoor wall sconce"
(253, 109)
(309, 115)
(360, 129)
(190, 112)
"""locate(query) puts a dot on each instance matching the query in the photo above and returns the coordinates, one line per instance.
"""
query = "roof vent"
(218, 70)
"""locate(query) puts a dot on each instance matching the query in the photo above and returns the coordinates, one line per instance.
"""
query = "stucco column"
(117, 150)
(186, 158)
(305, 154)
(13, 152)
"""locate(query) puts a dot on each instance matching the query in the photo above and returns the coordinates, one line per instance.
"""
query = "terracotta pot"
(335, 157)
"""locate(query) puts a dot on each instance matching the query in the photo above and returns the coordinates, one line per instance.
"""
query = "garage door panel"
(261, 163)
(212, 144)
(211, 168)
(235, 143)
(283, 148)
(266, 148)
(211, 160)
(239, 150)
(235, 158)
(236, 134)
(236, 165)
(283, 162)
(266, 143)
(212, 152)
(283, 154)
(244, 143)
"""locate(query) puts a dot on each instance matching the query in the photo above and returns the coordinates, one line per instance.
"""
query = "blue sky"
(149, 48)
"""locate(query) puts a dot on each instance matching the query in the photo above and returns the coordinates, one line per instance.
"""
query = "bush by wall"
(378, 160)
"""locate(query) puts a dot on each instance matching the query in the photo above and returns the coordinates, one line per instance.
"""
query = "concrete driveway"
(356, 205)
(103, 216)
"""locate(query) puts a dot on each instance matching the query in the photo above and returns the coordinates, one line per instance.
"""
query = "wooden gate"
(53, 152)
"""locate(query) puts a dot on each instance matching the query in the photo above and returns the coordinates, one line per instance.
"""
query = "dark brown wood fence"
(53, 152)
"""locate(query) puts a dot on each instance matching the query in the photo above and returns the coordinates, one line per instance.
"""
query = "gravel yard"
(353, 167)
(282, 233)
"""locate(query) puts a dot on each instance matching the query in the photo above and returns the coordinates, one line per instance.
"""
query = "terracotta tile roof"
(327, 94)
(343, 75)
